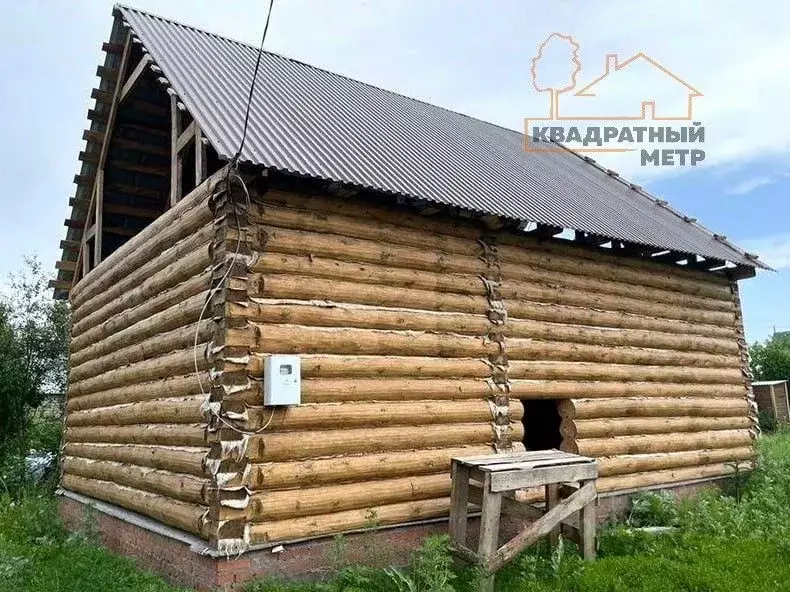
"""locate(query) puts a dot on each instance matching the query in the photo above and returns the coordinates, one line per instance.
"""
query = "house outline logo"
(612, 65)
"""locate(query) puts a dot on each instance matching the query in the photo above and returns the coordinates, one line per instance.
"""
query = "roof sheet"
(313, 122)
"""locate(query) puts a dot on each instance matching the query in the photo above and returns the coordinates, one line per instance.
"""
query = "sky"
(473, 57)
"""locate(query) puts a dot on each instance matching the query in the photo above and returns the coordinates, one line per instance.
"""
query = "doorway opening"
(541, 424)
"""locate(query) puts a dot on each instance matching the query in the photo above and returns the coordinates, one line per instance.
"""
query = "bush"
(768, 423)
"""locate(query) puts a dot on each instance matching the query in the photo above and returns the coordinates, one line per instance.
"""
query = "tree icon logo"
(564, 48)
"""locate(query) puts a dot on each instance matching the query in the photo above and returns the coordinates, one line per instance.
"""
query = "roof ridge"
(314, 67)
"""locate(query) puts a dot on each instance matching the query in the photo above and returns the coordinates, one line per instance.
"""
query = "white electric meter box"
(282, 381)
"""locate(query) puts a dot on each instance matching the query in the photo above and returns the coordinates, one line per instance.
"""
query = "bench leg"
(489, 532)
(459, 500)
(552, 497)
(588, 524)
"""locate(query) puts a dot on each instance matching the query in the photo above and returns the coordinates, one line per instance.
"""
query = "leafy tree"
(771, 360)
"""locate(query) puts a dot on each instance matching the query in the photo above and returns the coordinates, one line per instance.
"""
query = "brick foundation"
(177, 561)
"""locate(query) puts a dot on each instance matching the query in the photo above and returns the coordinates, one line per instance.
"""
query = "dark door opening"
(541, 424)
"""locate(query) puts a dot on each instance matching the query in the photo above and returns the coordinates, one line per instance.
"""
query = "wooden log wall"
(136, 426)
(420, 336)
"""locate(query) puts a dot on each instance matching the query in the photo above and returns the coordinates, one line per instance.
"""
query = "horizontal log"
(529, 349)
(186, 488)
(346, 415)
(147, 286)
(187, 517)
(179, 362)
(319, 340)
(183, 313)
(666, 477)
(637, 463)
(574, 315)
(295, 287)
(631, 426)
(335, 390)
(178, 222)
(177, 339)
(184, 459)
(538, 370)
(301, 445)
(165, 388)
(568, 389)
(298, 242)
(266, 263)
(178, 296)
(658, 443)
(364, 467)
(156, 434)
(339, 522)
(671, 407)
(311, 501)
(174, 411)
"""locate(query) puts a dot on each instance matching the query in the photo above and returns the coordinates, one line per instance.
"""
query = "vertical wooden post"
(175, 160)
(587, 525)
(552, 497)
(489, 531)
(201, 166)
(459, 501)
(97, 239)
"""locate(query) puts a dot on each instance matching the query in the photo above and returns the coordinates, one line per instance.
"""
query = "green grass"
(734, 542)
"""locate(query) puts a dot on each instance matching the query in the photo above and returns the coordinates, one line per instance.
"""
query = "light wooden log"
(567, 389)
(632, 426)
(538, 370)
(164, 232)
(530, 292)
(667, 477)
(335, 390)
(315, 340)
(638, 463)
(179, 362)
(173, 411)
(266, 263)
(297, 242)
(658, 443)
(360, 468)
(184, 459)
(186, 488)
(306, 288)
(575, 315)
(156, 434)
(310, 501)
(177, 296)
(370, 317)
(301, 445)
(284, 217)
(152, 347)
(623, 407)
(146, 287)
(187, 517)
(529, 349)
(338, 522)
(346, 415)
(166, 388)
(183, 313)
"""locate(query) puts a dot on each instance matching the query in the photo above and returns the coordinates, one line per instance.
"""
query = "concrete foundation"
(185, 560)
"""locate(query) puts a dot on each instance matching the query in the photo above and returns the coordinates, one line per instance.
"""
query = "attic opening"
(541, 423)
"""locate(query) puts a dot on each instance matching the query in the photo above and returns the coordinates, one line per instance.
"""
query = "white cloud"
(773, 250)
(749, 185)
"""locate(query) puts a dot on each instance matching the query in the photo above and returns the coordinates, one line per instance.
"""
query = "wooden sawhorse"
(500, 475)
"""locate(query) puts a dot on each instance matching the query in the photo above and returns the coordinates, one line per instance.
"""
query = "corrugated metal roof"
(312, 122)
(768, 382)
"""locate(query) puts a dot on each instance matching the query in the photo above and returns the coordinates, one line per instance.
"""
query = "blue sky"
(473, 57)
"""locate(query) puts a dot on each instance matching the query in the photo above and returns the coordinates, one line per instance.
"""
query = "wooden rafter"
(176, 166)
(138, 71)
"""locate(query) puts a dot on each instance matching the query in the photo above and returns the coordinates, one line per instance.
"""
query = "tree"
(771, 360)
(556, 51)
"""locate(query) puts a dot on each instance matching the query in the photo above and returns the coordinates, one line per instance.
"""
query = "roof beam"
(60, 285)
(114, 48)
(138, 71)
(186, 137)
(66, 265)
(70, 245)
(107, 73)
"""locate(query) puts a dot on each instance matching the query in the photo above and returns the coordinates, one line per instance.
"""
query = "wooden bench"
(500, 476)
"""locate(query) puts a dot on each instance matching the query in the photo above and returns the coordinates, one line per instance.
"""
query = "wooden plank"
(133, 78)
(60, 284)
(534, 464)
(541, 476)
(84, 180)
(541, 527)
(98, 190)
(75, 224)
(176, 169)
(97, 137)
(91, 157)
(95, 115)
(135, 191)
(114, 48)
(201, 160)
(70, 245)
(145, 169)
(66, 265)
(552, 499)
(107, 73)
(132, 211)
(104, 96)
(186, 137)
(459, 501)
(489, 532)
(120, 231)
(588, 524)
(80, 203)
